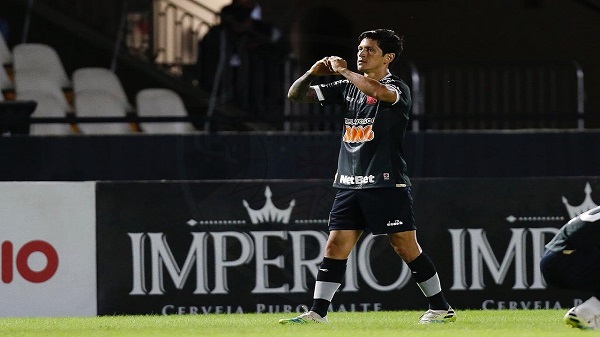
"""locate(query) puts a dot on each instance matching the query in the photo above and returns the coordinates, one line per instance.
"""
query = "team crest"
(371, 100)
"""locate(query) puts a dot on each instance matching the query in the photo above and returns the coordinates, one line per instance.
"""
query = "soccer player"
(572, 261)
(373, 189)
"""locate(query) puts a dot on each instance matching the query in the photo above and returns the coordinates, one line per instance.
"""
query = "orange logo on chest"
(357, 134)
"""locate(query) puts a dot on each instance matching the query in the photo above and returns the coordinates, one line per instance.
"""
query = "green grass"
(470, 323)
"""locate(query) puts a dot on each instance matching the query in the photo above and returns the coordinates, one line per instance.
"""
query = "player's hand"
(336, 63)
(322, 68)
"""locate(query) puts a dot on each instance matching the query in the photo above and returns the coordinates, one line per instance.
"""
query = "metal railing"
(178, 26)
(501, 94)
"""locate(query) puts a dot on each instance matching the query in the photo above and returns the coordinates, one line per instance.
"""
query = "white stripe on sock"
(325, 290)
(431, 286)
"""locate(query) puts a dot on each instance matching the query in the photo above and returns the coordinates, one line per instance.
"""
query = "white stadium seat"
(95, 79)
(40, 57)
(5, 54)
(100, 104)
(161, 102)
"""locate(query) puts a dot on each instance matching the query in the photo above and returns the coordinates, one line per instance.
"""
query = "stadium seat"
(161, 102)
(6, 78)
(94, 79)
(48, 105)
(5, 82)
(40, 86)
(38, 80)
(98, 92)
(95, 103)
(43, 58)
(5, 55)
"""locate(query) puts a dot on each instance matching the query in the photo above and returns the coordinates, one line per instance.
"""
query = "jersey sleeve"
(331, 92)
(403, 92)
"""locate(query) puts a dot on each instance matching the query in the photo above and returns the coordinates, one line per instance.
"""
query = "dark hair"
(387, 39)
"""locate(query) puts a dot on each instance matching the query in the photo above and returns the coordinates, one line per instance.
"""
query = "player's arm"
(301, 90)
(370, 86)
(365, 84)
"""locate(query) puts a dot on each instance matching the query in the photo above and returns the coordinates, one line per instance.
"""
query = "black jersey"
(371, 151)
(581, 232)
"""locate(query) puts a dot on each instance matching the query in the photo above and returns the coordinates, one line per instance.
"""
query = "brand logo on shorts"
(394, 223)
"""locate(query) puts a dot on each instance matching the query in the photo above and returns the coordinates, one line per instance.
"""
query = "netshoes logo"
(359, 133)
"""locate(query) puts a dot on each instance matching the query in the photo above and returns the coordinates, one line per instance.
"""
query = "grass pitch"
(469, 323)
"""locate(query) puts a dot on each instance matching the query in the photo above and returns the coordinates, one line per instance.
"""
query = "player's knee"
(406, 252)
(337, 250)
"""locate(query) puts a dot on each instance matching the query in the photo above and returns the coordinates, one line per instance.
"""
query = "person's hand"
(336, 63)
(322, 68)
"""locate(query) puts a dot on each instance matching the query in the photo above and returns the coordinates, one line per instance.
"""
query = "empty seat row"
(93, 92)
(98, 92)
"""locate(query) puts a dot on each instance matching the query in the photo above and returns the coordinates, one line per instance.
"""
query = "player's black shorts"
(375, 210)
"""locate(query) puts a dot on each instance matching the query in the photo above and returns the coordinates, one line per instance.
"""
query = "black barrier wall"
(254, 246)
(290, 156)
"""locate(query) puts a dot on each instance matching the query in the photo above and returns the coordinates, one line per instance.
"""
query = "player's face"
(369, 56)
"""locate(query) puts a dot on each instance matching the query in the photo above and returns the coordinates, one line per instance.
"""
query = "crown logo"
(269, 213)
(587, 204)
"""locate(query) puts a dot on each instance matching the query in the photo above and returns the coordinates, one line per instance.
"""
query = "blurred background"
(194, 89)
(510, 64)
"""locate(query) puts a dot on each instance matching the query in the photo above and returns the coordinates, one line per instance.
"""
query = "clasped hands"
(330, 65)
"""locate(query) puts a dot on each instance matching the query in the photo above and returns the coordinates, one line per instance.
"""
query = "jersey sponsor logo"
(371, 100)
(359, 121)
(358, 133)
(356, 180)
